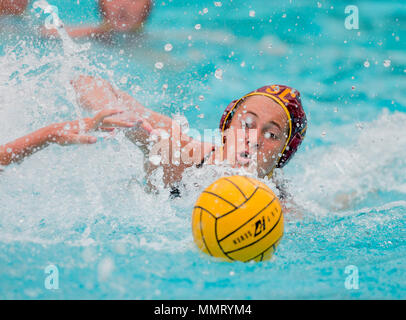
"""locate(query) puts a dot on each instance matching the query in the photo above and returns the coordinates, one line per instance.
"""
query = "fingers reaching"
(100, 116)
(114, 122)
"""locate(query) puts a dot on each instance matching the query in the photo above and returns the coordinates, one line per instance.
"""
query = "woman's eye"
(270, 135)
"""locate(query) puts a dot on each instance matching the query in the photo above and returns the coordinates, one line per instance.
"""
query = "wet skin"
(271, 125)
(12, 7)
(125, 15)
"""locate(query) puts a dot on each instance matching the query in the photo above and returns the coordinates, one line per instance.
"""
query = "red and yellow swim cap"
(289, 99)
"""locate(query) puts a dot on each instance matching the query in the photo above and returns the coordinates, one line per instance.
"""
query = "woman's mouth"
(244, 158)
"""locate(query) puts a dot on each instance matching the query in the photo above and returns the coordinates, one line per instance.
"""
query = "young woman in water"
(271, 121)
(118, 16)
(66, 133)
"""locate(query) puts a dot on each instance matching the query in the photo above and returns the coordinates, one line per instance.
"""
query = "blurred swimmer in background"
(126, 16)
(12, 7)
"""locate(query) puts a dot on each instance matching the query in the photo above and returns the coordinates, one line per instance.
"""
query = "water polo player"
(274, 113)
(117, 16)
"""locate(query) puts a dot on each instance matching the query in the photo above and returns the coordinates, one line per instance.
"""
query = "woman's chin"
(243, 161)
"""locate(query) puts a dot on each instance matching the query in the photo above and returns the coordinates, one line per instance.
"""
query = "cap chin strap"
(269, 175)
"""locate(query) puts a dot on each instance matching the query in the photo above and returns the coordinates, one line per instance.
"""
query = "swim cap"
(289, 99)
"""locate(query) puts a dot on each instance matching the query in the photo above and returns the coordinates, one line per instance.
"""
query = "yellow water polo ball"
(237, 218)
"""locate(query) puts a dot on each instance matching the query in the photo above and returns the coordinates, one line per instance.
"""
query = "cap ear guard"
(226, 117)
(292, 147)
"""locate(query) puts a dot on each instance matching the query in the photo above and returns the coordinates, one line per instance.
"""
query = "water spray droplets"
(155, 159)
(386, 63)
(159, 65)
(218, 74)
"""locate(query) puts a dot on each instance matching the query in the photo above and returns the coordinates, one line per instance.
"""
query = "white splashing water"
(78, 195)
(70, 47)
(338, 177)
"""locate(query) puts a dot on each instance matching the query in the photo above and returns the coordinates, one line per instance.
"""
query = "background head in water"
(12, 7)
(276, 112)
(118, 16)
(125, 15)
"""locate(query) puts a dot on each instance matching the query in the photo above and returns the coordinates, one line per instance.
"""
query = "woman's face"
(269, 123)
(125, 15)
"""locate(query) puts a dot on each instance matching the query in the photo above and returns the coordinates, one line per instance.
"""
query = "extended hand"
(126, 117)
(72, 132)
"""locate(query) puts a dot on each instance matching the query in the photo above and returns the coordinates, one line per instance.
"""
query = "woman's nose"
(251, 138)
(253, 145)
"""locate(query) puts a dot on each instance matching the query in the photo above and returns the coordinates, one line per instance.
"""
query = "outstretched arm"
(155, 133)
(97, 94)
(102, 31)
(66, 133)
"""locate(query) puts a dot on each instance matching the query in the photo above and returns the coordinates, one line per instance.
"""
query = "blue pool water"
(81, 209)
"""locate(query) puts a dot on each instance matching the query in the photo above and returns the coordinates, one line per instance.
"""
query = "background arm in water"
(117, 16)
(66, 133)
(101, 32)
